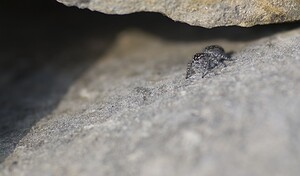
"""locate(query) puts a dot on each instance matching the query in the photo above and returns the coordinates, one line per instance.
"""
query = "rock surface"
(112, 99)
(206, 13)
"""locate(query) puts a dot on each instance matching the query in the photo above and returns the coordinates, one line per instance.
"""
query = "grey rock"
(79, 97)
(134, 113)
(206, 13)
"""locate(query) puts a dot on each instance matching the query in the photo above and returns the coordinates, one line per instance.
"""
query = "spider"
(211, 57)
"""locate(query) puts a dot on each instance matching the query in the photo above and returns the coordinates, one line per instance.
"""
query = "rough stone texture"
(206, 13)
(87, 99)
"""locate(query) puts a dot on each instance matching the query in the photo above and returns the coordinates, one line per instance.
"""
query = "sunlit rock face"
(206, 13)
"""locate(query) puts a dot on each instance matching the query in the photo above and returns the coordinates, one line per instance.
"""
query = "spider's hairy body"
(211, 57)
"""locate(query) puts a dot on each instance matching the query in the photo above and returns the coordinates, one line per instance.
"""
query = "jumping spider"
(205, 62)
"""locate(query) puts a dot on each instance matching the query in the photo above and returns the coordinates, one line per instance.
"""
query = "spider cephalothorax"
(211, 57)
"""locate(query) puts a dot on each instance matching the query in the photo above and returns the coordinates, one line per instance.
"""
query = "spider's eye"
(196, 58)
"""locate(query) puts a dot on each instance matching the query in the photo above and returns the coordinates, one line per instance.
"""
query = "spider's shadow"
(230, 54)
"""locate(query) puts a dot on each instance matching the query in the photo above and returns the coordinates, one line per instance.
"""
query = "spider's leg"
(204, 73)
(223, 63)
(212, 63)
(227, 57)
(190, 71)
(207, 68)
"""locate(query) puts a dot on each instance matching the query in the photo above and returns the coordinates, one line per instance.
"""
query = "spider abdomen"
(204, 62)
